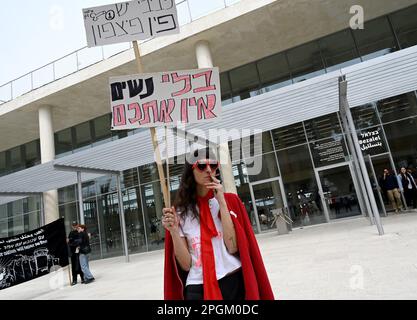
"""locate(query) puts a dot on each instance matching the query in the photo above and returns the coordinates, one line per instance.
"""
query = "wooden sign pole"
(165, 190)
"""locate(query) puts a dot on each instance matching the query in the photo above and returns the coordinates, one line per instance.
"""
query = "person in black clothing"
(75, 261)
(83, 243)
(409, 186)
(390, 184)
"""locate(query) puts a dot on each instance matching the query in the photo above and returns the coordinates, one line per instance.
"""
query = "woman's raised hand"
(170, 219)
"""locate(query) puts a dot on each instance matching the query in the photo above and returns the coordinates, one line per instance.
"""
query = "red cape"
(256, 280)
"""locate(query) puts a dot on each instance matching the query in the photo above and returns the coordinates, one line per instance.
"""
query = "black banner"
(33, 254)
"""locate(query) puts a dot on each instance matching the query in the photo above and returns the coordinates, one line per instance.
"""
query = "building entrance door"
(337, 188)
(375, 166)
(266, 197)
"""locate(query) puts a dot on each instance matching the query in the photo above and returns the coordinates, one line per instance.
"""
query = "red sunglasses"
(202, 165)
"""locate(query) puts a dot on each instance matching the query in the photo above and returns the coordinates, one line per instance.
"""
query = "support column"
(46, 135)
(122, 217)
(347, 117)
(80, 199)
(159, 205)
(204, 60)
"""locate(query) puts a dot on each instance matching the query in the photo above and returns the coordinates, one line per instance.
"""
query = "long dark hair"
(186, 197)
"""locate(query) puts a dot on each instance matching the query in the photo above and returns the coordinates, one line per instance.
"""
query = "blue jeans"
(84, 266)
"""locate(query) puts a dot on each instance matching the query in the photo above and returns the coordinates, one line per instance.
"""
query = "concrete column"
(159, 204)
(204, 60)
(46, 135)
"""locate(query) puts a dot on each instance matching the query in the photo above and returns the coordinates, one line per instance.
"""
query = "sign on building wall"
(328, 152)
(129, 21)
(33, 254)
(164, 98)
(371, 141)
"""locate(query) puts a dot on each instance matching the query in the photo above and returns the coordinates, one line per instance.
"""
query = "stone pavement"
(341, 260)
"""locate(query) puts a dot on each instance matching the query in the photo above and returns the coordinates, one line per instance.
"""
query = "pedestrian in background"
(390, 184)
(409, 187)
(75, 259)
(84, 250)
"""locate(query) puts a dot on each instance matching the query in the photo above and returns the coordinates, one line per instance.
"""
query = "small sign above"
(130, 21)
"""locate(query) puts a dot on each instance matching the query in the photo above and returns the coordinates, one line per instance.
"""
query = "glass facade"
(306, 167)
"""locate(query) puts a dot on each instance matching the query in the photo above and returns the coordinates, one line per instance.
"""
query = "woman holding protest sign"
(211, 252)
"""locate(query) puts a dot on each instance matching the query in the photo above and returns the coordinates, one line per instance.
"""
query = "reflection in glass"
(88, 189)
(269, 203)
(365, 116)
(91, 221)
(148, 173)
(82, 135)
(63, 142)
(397, 107)
(303, 198)
(4, 233)
(338, 50)
(32, 153)
(3, 165)
(289, 136)
(106, 184)
(405, 25)
(226, 89)
(101, 129)
(244, 81)
(242, 185)
(109, 221)
(323, 127)
(255, 145)
(402, 139)
(376, 39)
(130, 178)
(339, 192)
(69, 211)
(134, 221)
(153, 204)
(305, 62)
(376, 165)
(16, 161)
(274, 72)
(66, 194)
(262, 167)
(31, 213)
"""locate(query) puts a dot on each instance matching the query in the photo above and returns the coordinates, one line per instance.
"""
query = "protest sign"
(165, 98)
(32, 254)
(129, 21)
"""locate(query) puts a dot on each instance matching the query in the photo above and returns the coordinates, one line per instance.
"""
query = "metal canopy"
(122, 154)
(35, 181)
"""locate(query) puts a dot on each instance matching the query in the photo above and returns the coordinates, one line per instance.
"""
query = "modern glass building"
(271, 65)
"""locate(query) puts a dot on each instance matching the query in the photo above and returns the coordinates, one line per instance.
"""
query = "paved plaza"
(341, 260)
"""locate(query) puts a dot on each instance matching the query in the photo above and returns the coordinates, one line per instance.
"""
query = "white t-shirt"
(224, 261)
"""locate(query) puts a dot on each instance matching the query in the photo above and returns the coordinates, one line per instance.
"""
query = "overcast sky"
(35, 32)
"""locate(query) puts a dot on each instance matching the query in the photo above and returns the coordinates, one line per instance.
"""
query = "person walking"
(390, 184)
(83, 243)
(75, 259)
(409, 187)
(211, 252)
